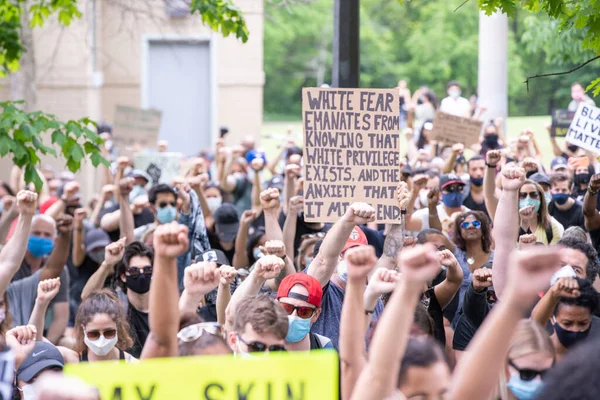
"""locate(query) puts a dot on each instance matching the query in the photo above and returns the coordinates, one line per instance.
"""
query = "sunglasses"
(163, 204)
(475, 224)
(528, 374)
(260, 347)
(303, 311)
(95, 334)
(194, 332)
(134, 271)
(455, 188)
(319, 235)
(533, 195)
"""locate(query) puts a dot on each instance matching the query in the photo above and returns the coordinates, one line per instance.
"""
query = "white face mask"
(214, 203)
(101, 346)
(423, 196)
(29, 392)
(342, 271)
(2, 315)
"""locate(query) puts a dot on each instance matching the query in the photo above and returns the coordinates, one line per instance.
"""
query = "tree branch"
(462, 4)
(559, 73)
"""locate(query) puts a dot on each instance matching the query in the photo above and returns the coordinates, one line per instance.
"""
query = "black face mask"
(139, 284)
(580, 179)
(491, 140)
(572, 148)
(570, 338)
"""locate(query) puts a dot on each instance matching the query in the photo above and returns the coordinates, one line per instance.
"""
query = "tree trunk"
(23, 82)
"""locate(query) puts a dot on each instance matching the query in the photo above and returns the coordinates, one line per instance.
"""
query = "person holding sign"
(578, 95)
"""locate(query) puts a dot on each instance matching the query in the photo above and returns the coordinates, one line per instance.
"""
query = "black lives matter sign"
(585, 128)
(351, 152)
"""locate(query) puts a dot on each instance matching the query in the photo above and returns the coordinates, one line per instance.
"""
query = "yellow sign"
(291, 376)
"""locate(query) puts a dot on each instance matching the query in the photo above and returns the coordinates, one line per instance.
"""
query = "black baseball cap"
(44, 355)
(450, 179)
(540, 178)
(214, 255)
(96, 238)
(227, 222)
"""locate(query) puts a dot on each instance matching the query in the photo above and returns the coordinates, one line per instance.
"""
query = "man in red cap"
(300, 296)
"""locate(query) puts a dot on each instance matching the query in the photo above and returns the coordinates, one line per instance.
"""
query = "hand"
(26, 202)
(183, 192)
(493, 157)
(296, 205)
(419, 264)
(24, 335)
(290, 142)
(171, 240)
(529, 164)
(565, 287)
(70, 189)
(108, 191)
(433, 197)
(247, 217)
(403, 195)
(594, 183)
(47, 290)
(228, 274)
(162, 146)
(113, 253)
(512, 178)
(458, 148)
(258, 164)
(419, 182)
(292, 171)
(526, 241)
(80, 214)
(409, 242)
(529, 272)
(126, 186)
(408, 132)
(359, 214)
(269, 199)
(269, 267)
(382, 281)
(528, 132)
(274, 248)
(447, 259)
(8, 201)
(482, 279)
(201, 278)
(527, 213)
(359, 262)
(64, 224)
(122, 163)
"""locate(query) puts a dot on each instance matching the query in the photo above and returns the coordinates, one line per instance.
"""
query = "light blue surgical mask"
(298, 328)
(530, 202)
(548, 197)
(1, 206)
(166, 214)
(342, 271)
(524, 390)
(39, 246)
(137, 191)
(307, 260)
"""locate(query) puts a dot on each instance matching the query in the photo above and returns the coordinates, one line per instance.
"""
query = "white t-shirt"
(423, 214)
(459, 106)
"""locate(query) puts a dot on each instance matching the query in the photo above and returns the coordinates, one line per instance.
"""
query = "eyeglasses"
(107, 334)
(467, 224)
(135, 271)
(163, 204)
(303, 311)
(528, 374)
(454, 188)
(533, 195)
(194, 332)
(260, 347)
(319, 235)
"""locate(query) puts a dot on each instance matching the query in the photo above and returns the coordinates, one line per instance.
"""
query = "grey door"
(179, 85)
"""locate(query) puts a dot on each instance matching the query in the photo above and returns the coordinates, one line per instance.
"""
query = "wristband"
(403, 211)
(369, 312)
(490, 165)
(592, 192)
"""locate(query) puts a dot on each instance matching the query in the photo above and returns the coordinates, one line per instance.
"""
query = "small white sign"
(585, 128)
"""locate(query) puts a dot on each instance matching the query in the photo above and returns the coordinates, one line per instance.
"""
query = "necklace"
(471, 260)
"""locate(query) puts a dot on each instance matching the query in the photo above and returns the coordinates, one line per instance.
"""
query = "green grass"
(274, 133)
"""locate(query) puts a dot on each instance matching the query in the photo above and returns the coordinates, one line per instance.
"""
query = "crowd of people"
(485, 288)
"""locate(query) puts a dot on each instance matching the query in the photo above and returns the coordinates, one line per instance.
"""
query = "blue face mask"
(452, 200)
(39, 246)
(298, 328)
(530, 202)
(476, 181)
(166, 214)
(524, 390)
(136, 192)
(560, 198)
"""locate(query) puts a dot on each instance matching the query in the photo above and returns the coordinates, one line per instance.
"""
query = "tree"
(22, 132)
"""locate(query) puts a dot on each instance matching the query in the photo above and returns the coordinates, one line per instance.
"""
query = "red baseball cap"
(357, 238)
(315, 292)
(47, 204)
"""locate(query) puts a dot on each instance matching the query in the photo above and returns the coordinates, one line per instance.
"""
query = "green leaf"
(31, 176)
(97, 159)
(73, 127)
(76, 153)
(90, 148)
(58, 138)
(594, 87)
(73, 165)
(6, 145)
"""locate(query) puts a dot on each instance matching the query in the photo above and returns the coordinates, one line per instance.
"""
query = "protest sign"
(450, 129)
(351, 152)
(561, 121)
(295, 375)
(161, 167)
(585, 128)
(136, 129)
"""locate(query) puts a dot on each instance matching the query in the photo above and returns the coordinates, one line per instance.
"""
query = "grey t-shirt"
(22, 294)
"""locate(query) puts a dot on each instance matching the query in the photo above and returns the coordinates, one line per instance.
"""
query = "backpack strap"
(549, 234)
(315, 343)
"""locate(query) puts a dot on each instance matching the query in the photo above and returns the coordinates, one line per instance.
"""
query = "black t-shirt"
(144, 218)
(434, 309)
(138, 322)
(214, 244)
(473, 205)
(595, 236)
(464, 332)
(571, 217)
(302, 228)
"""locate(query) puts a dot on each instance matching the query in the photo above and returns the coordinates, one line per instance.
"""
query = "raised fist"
(269, 267)
(433, 197)
(126, 186)
(512, 178)
(258, 164)
(228, 274)
(493, 157)
(594, 183)
(64, 224)
(482, 279)
(274, 248)
(201, 278)
(108, 191)
(458, 148)
(171, 240)
(360, 260)
(383, 281)
(80, 214)
(292, 171)
(70, 189)
(296, 204)
(447, 259)
(113, 253)
(530, 164)
(248, 217)
(26, 202)
(419, 182)
(122, 163)
(419, 264)
(360, 213)
(527, 240)
(269, 199)
(403, 195)
(47, 290)
(565, 287)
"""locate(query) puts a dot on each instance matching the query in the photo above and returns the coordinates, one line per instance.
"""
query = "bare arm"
(226, 180)
(590, 213)
(449, 166)
(240, 257)
(110, 221)
(288, 187)
(392, 246)
(47, 290)
(56, 209)
(256, 188)
(96, 281)
(447, 289)
(289, 226)
(59, 322)
(489, 191)
(58, 258)
(78, 248)
(223, 299)
(6, 221)
(126, 221)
